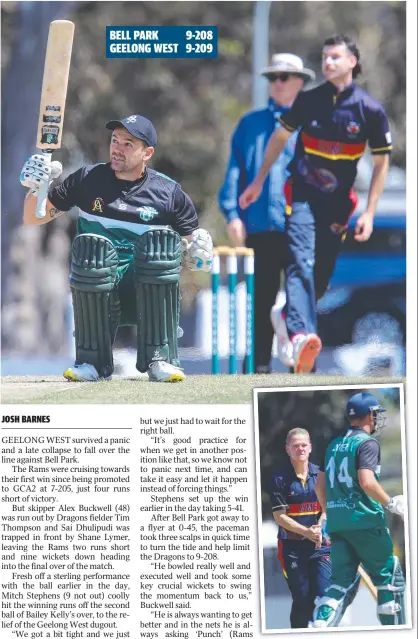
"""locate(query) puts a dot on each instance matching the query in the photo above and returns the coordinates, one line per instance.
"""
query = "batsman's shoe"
(284, 345)
(83, 373)
(164, 372)
(328, 611)
(323, 616)
(306, 349)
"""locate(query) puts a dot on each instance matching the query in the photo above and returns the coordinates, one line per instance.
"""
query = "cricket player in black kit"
(302, 550)
(136, 228)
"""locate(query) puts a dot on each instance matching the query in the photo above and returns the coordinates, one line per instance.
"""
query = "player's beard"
(124, 171)
(118, 163)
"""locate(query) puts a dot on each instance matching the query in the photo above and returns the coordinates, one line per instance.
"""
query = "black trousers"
(307, 571)
(271, 259)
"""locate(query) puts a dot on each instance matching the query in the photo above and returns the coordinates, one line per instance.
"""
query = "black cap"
(138, 126)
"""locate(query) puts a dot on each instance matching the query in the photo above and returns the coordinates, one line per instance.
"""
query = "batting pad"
(92, 279)
(391, 607)
(157, 264)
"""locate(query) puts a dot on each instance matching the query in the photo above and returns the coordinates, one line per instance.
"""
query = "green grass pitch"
(195, 389)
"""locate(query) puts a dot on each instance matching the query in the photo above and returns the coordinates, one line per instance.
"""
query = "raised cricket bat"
(54, 93)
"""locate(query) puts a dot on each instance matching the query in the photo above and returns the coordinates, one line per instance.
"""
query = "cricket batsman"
(348, 489)
(136, 228)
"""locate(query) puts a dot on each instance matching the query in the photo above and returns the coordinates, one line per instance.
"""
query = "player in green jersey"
(348, 488)
(136, 229)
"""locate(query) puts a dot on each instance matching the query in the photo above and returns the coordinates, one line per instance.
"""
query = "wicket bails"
(232, 255)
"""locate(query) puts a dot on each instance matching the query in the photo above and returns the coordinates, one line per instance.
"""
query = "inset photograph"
(332, 507)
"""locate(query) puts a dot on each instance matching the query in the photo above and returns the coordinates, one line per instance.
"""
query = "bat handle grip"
(43, 191)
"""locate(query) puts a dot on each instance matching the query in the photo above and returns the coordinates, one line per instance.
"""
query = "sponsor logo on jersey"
(294, 564)
(146, 213)
(97, 206)
(323, 179)
(308, 507)
(329, 146)
(349, 502)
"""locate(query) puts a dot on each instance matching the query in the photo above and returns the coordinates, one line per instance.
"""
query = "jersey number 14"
(343, 474)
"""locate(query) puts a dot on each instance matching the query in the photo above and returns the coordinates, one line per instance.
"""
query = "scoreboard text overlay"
(161, 42)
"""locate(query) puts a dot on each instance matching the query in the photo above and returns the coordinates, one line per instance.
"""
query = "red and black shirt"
(292, 496)
(335, 129)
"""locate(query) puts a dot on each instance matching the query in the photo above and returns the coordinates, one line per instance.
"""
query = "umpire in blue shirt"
(261, 226)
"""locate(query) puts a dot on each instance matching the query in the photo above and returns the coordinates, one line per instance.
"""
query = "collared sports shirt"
(295, 498)
(119, 209)
(334, 130)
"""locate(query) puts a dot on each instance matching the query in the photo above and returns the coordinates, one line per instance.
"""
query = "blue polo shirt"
(334, 130)
(295, 498)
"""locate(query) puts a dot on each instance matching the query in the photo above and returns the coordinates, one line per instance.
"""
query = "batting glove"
(396, 506)
(36, 171)
(197, 255)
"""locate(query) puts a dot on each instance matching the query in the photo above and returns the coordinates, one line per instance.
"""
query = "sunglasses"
(283, 77)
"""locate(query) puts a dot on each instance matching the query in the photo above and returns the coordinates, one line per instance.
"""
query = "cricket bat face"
(54, 85)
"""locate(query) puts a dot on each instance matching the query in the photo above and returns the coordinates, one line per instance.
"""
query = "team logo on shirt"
(97, 206)
(353, 129)
(146, 213)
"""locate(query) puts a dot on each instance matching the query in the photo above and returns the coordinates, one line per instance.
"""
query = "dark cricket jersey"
(295, 498)
(335, 129)
(120, 209)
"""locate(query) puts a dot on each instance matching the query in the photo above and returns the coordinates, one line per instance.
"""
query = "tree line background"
(194, 104)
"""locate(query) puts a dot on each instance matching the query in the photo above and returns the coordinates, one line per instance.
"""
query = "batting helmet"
(362, 403)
